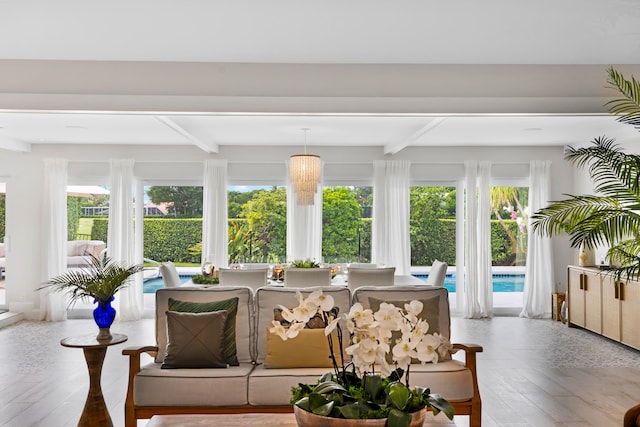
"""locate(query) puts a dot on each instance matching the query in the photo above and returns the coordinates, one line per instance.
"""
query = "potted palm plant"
(100, 281)
(610, 218)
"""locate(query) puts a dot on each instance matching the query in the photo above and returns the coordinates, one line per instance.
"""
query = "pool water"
(501, 282)
(150, 286)
(512, 282)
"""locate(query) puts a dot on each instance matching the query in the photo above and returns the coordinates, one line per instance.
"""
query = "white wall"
(89, 164)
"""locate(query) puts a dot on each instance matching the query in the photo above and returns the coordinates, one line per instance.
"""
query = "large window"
(346, 224)
(257, 224)
(509, 213)
(432, 225)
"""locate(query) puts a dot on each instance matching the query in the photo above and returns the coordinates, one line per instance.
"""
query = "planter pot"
(309, 419)
(104, 315)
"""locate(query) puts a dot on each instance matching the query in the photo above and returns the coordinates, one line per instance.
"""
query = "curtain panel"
(539, 278)
(391, 244)
(53, 304)
(304, 224)
(215, 220)
(121, 237)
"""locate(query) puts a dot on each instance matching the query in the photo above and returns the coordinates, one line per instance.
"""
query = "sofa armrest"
(134, 367)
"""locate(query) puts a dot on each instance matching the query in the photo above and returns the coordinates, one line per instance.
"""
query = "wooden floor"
(532, 373)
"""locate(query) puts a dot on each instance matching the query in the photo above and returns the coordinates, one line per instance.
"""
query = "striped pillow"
(231, 307)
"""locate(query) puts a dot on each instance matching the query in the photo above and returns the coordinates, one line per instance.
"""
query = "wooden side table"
(95, 411)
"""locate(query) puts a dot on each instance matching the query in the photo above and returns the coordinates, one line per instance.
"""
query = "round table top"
(89, 341)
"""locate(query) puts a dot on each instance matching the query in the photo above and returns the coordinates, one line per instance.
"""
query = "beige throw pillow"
(195, 340)
(310, 349)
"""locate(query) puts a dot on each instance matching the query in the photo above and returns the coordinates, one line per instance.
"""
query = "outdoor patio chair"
(437, 274)
(357, 277)
(170, 275)
(254, 277)
(303, 277)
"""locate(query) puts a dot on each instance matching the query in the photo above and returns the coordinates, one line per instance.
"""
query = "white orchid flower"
(286, 314)
(360, 315)
(319, 299)
(426, 349)
(294, 330)
(388, 316)
(331, 326)
(445, 348)
(279, 330)
(414, 307)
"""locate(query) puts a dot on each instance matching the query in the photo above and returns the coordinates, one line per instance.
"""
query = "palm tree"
(612, 217)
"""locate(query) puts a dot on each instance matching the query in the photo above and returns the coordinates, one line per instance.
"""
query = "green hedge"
(170, 239)
(2, 217)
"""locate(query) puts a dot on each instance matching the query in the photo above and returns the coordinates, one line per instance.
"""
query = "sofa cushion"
(195, 340)
(243, 324)
(268, 298)
(310, 349)
(437, 298)
(273, 386)
(230, 306)
(191, 387)
(450, 378)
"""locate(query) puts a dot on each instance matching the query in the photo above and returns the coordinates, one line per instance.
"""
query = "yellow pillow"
(310, 349)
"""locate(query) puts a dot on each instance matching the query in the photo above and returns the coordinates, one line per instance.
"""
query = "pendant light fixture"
(304, 171)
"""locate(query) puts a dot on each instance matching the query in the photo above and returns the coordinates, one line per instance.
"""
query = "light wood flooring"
(532, 373)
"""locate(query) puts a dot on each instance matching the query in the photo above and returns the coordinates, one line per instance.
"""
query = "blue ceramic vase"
(104, 315)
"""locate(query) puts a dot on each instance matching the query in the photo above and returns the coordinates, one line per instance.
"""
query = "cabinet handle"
(616, 289)
(581, 281)
(622, 291)
(585, 283)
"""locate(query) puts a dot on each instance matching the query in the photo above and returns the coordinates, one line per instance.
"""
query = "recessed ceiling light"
(532, 129)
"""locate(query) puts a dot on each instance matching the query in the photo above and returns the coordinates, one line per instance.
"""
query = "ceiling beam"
(198, 138)
(393, 148)
(14, 144)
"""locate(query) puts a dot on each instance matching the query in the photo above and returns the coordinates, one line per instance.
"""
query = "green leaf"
(399, 395)
(352, 410)
(439, 403)
(328, 387)
(373, 385)
(304, 404)
(398, 418)
(316, 400)
(323, 410)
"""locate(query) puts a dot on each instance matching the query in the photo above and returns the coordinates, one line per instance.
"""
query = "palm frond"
(100, 280)
(627, 108)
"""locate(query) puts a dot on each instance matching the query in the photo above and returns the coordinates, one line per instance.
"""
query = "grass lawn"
(85, 225)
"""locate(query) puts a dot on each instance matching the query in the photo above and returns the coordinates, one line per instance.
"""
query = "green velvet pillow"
(231, 306)
(195, 340)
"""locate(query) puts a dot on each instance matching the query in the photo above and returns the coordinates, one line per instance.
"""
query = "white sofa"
(79, 252)
(250, 386)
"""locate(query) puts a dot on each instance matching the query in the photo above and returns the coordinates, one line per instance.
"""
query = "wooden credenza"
(600, 304)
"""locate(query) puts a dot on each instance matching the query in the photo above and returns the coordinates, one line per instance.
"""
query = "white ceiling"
(327, 31)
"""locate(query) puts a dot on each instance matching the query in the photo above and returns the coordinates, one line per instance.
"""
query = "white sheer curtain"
(538, 281)
(53, 304)
(215, 221)
(121, 237)
(304, 225)
(485, 279)
(391, 241)
(477, 292)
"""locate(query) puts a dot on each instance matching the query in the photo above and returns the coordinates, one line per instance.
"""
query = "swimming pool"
(152, 285)
(502, 282)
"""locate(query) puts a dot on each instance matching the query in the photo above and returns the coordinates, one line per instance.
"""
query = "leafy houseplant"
(611, 217)
(100, 281)
(354, 390)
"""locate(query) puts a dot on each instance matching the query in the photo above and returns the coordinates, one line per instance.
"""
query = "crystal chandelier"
(304, 171)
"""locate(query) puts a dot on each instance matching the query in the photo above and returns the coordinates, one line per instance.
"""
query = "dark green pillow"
(231, 307)
(195, 340)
